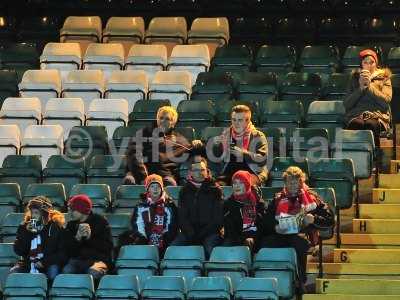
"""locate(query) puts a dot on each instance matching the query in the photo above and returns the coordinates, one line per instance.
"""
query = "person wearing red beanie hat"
(367, 102)
(243, 212)
(89, 242)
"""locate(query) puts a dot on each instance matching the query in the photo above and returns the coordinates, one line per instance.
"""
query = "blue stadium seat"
(118, 287)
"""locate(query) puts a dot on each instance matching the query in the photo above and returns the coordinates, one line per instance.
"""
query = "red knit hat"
(369, 52)
(153, 178)
(81, 203)
(244, 177)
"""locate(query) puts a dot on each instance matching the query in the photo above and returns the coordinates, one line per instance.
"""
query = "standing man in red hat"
(89, 241)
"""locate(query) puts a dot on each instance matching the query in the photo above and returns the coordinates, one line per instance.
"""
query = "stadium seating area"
(74, 85)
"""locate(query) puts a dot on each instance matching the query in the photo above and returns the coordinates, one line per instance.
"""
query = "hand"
(219, 139)
(308, 219)
(365, 79)
(29, 226)
(78, 236)
(85, 230)
(249, 242)
(39, 265)
(197, 144)
(129, 179)
(222, 232)
(236, 151)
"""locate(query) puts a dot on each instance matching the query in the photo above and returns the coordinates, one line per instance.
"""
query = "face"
(155, 190)
(368, 63)
(36, 214)
(293, 185)
(199, 172)
(165, 121)
(238, 187)
(75, 215)
(240, 121)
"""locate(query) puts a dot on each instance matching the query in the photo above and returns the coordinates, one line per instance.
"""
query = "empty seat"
(43, 140)
(10, 199)
(8, 84)
(10, 140)
(10, 226)
(19, 57)
(210, 288)
(192, 58)
(257, 288)
(39, 29)
(66, 112)
(100, 195)
(61, 56)
(232, 58)
(127, 197)
(319, 59)
(213, 86)
(169, 31)
(298, 29)
(278, 59)
(383, 30)
(110, 113)
(210, 132)
(87, 141)
(66, 170)
(280, 263)
(269, 193)
(342, 29)
(129, 85)
(7, 256)
(300, 86)
(145, 112)
(118, 287)
(107, 169)
(105, 57)
(357, 145)
(393, 60)
(185, 261)
(257, 86)
(311, 143)
(234, 262)
(21, 169)
(159, 287)
(276, 142)
(149, 58)
(288, 114)
(336, 173)
(279, 166)
(119, 223)
(124, 30)
(336, 87)
(25, 286)
(122, 136)
(72, 286)
(21, 111)
(83, 30)
(43, 84)
(198, 114)
(140, 260)
(172, 85)
(214, 32)
(85, 84)
(54, 191)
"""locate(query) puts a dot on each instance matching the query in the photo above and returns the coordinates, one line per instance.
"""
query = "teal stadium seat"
(210, 288)
(72, 286)
(10, 226)
(25, 286)
(118, 287)
(257, 288)
(10, 199)
(127, 197)
(100, 194)
(164, 287)
(54, 191)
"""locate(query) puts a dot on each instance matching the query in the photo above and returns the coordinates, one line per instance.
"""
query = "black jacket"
(163, 165)
(141, 223)
(52, 237)
(98, 247)
(233, 221)
(200, 210)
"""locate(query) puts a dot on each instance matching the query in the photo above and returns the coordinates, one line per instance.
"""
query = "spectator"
(242, 147)
(294, 216)
(154, 220)
(200, 208)
(39, 240)
(160, 152)
(243, 212)
(367, 101)
(89, 241)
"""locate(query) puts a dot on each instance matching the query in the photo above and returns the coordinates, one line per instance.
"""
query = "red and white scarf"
(35, 253)
(288, 206)
(157, 229)
(242, 139)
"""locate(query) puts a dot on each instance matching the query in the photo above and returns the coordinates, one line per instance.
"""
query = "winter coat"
(200, 210)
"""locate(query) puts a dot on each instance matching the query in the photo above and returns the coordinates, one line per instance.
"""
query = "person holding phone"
(88, 240)
(200, 208)
(39, 239)
(367, 102)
